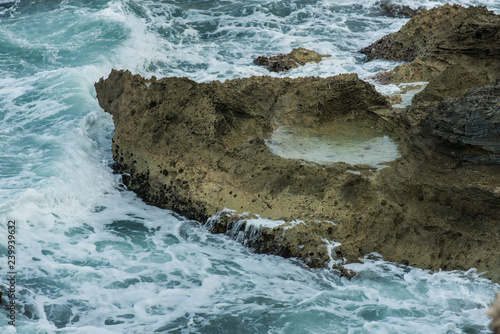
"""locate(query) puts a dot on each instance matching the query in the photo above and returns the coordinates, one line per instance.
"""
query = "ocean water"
(90, 257)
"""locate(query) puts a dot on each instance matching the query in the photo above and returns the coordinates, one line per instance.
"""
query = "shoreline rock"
(197, 148)
(453, 47)
(443, 32)
(285, 62)
(467, 127)
(390, 9)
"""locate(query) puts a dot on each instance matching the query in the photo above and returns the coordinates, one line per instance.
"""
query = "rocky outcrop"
(391, 9)
(450, 31)
(455, 49)
(467, 127)
(284, 62)
(198, 148)
(452, 47)
(204, 150)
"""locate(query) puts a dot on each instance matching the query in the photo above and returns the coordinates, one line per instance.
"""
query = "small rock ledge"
(285, 62)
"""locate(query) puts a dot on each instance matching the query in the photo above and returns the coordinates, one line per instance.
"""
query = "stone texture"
(197, 148)
(453, 47)
(285, 62)
(468, 126)
(396, 10)
(442, 32)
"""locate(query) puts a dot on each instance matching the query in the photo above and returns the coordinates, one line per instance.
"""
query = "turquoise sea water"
(93, 258)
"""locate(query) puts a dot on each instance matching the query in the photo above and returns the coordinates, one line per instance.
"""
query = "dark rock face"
(284, 62)
(470, 125)
(396, 10)
(452, 47)
(197, 148)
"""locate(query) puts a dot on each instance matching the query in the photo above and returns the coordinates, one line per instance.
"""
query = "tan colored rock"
(442, 32)
(197, 148)
(284, 62)
(494, 312)
(453, 47)
(397, 99)
(212, 127)
(416, 71)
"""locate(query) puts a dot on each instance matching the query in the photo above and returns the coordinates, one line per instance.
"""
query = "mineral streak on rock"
(453, 47)
(284, 62)
(197, 148)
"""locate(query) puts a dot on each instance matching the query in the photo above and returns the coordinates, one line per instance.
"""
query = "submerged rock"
(284, 62)
(453, 47)
(197, 148)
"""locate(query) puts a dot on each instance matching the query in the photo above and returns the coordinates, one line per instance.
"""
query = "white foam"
(334, 259)
(95, 258)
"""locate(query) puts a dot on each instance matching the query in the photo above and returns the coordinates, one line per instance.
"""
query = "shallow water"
(93, 258)
(350, 142)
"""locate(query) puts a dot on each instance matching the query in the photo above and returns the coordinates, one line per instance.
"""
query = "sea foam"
(92, 257)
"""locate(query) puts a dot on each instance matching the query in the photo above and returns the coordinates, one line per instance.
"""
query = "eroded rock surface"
(390, 9)
(442, 32)
(453, 47)
(284, 62)
(198, 148)
(468, 127)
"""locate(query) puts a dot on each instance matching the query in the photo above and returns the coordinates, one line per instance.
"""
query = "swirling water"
(93, 258)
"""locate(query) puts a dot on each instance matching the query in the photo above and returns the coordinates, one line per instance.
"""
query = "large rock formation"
(446, 32)
(202, 148)
(452, 47)
(198, 148)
